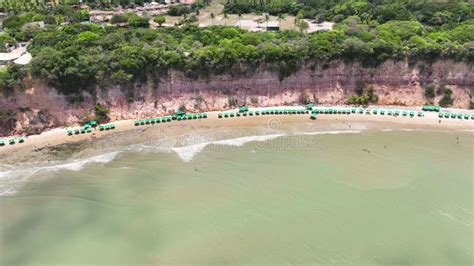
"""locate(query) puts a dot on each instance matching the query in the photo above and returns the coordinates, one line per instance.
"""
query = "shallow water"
(354, 197)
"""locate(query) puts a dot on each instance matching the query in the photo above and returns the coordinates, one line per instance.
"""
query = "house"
(18, 56)
(258, 25)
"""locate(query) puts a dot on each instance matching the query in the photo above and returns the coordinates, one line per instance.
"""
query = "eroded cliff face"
(394, 82)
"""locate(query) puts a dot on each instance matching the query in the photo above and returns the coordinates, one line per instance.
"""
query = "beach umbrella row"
(262, 112)
(85, 128)
(459, 116)
(166, 119)
(367, 111)
(11, 141)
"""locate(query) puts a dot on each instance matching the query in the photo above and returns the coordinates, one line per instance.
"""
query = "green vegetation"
(446, 100)
(76, 57)
(430, 92)
(365, 95)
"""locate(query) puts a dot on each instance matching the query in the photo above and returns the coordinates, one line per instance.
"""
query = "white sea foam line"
(187, 153)
(12, 181)
(332, 132)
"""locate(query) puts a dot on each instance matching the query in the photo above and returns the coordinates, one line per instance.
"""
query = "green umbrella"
(69, 132)
(309, 106)
(466, 116)
(137, 123)
(2, 142)
(257, 112)
(313, 116)
(77, 131)
(21, 140)
(453, 115)
(412, 114)
(382, 112)
(404, 113)
(232, 114)
(459, 115)
(440, 115)
(446, 115)
(11, 141)
(204, 115)
(250, 113)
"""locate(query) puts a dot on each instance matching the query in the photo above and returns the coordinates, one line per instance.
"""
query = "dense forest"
(83, 56)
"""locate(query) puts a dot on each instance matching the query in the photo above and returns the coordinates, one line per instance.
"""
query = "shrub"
(101, 113)
(446, 100)
(430, 92)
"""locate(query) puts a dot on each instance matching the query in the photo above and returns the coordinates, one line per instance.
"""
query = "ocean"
(342, 195)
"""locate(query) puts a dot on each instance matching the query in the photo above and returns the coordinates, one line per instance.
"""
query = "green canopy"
(466, 116)
(2, 142)
(20, 140)
(11, 141)
(243, 108)
(69, 132)
(180, 113)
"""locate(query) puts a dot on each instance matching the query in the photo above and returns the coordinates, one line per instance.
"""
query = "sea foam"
(187, 153)
(12, 180)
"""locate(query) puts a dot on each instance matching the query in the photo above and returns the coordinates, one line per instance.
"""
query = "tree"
(118, 19)
(212, 17)
(303, 26)
(266, 19)
(159, 20)
(240, 20)
(226, 16)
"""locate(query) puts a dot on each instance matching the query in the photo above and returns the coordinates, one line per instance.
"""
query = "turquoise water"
(380, 198)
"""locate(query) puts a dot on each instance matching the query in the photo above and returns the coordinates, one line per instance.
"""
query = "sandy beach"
(57, 139)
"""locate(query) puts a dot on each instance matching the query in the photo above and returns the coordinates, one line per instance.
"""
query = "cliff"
(394, 82)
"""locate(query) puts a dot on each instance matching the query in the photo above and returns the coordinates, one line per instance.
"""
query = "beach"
(127, 133)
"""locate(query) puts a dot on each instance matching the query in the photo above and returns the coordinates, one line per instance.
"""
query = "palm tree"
(267, 18)
(240, 20)
(281, 17)
(225, 18)
(212, 18)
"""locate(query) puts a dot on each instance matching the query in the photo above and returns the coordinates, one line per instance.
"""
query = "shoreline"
(58, 137)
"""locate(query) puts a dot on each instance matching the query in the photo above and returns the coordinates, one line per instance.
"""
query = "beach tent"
(243, 108)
